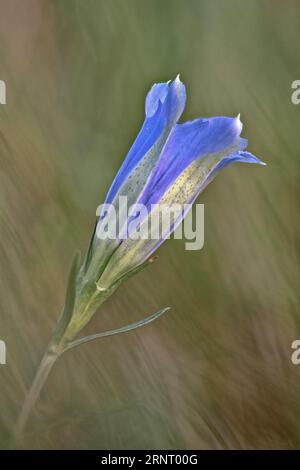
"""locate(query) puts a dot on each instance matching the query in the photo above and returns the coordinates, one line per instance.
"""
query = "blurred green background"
(215, 372)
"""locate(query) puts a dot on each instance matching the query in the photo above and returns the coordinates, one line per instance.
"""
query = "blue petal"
(158, 93)
(242, 157)
(164, 105)
(190, 141)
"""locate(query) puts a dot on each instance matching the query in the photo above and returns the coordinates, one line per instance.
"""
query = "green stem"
(43, 371)
(67, 328)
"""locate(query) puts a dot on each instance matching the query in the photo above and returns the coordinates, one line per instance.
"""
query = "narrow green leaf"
(116, 331)
(70, 297)
(89, 251)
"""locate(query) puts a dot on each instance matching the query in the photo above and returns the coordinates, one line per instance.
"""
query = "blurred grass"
(215, 372)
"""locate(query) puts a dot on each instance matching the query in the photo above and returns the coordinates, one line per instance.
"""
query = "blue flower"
(169, 163)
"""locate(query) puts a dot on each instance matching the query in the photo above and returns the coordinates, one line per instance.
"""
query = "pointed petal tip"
(248, 157)
(239, 123)
(178, 81)
(257, 161)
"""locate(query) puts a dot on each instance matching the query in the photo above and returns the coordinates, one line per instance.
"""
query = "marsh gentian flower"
(169, 163)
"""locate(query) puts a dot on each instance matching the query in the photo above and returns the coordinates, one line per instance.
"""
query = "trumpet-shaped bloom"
(169, 163)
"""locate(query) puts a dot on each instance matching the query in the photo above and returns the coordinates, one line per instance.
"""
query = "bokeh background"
(215, 372)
